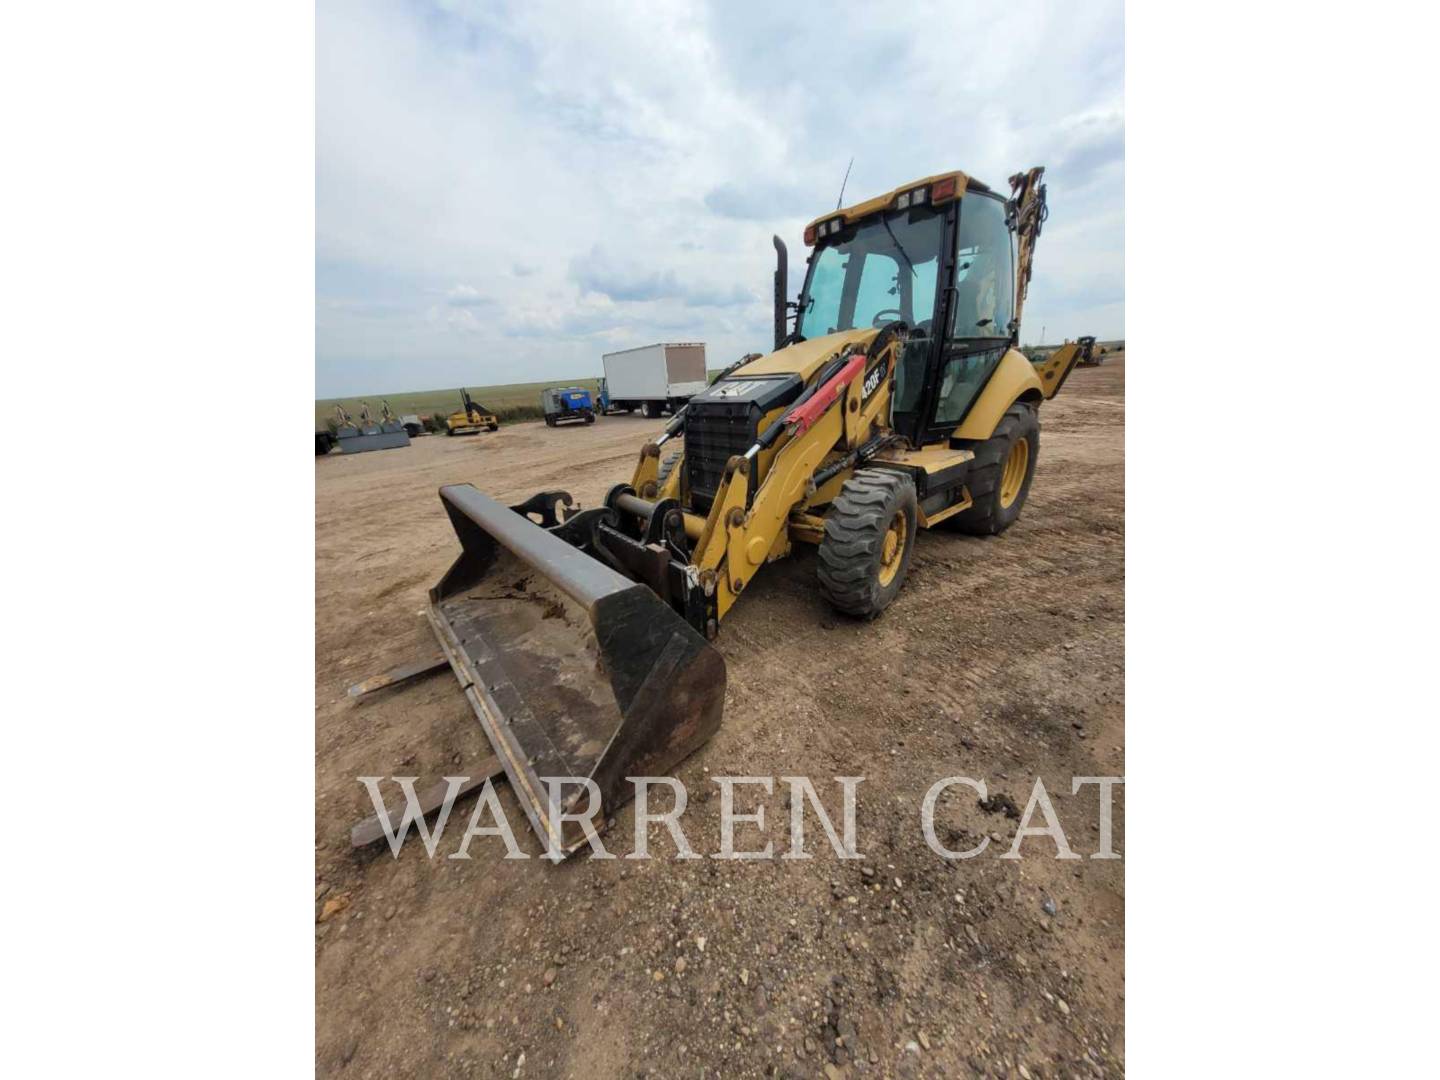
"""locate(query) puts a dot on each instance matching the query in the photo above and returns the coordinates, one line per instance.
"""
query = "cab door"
(980, 301)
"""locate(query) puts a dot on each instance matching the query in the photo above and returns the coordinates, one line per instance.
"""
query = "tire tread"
(855, 529)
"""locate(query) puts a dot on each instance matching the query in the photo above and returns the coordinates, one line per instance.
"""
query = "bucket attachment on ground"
(363, 442)
(367, 435)
(573, 669)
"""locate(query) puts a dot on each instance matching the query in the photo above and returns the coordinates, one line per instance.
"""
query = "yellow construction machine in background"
(471, 417)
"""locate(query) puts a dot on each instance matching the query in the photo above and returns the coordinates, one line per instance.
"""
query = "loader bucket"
(573, 669)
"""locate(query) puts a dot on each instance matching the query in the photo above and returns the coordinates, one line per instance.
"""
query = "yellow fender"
(1014, 380)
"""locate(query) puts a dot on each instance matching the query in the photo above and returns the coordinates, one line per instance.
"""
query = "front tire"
(869, 537)
(1000, 475)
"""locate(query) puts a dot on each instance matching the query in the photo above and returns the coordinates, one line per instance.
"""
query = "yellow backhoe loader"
(1091, 354)
(470, 418)
(897, 402)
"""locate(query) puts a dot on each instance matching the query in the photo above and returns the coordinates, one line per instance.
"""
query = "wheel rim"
(892, 551)
(1012, 477)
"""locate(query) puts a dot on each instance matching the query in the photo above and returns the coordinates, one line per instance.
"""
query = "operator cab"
(926, 262)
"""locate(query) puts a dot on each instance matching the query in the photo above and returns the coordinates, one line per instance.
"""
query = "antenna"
(844, 182)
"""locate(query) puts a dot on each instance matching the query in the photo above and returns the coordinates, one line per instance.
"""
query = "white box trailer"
(653, 378)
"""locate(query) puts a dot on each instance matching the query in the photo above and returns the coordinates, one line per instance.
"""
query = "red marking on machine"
(807, 413)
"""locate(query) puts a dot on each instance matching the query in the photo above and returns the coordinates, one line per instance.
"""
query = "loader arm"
(739, 541)
(826, 428)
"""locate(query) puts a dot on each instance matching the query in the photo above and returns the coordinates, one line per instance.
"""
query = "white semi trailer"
(653, 378)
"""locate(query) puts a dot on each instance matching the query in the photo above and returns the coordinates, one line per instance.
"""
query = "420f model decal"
(873, 378)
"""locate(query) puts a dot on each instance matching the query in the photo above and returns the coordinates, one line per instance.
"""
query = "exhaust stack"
(782, 293)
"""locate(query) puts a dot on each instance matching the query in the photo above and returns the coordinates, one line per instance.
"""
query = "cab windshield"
(875, 272)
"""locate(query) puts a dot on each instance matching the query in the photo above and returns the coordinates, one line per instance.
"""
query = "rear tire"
(494, 427)
(1000, 475)
(869, 537)
(589, 418)
(651, 410)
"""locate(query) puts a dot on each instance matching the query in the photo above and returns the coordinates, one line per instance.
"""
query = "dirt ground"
(1002, 660)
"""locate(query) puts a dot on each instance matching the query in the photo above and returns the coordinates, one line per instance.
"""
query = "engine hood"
(803, 358)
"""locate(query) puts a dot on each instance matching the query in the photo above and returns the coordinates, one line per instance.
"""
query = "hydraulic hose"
(674, 427)
(770, 434)
(860, 453)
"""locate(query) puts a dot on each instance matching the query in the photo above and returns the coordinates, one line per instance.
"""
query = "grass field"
(513, 401)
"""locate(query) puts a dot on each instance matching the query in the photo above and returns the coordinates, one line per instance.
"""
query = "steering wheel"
(888, 315)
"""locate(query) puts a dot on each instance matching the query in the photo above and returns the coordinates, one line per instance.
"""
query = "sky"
(506, 191)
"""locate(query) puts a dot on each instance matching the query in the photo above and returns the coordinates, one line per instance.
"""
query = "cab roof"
(852, 214)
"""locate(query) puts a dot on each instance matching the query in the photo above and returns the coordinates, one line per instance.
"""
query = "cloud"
(581, 321)
(625, 281)
(760, 201)
(597, 272)
(718, 296)
(465, 296)
(1089, 143)
(533, 181)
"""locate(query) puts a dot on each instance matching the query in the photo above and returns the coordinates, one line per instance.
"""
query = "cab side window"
(984, 274)
(960, 382)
